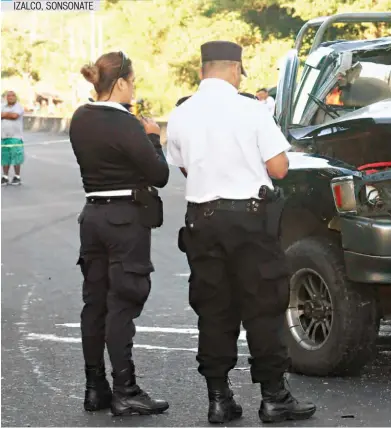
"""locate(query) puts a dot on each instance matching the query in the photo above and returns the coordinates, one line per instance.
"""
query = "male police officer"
(228, 146)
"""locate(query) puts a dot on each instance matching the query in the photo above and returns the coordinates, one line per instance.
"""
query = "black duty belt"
(248, 205)
(108, 200)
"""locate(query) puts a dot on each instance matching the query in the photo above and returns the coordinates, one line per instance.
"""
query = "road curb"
(56, 125)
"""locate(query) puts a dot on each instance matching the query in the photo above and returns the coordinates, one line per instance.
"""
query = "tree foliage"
(163, 38)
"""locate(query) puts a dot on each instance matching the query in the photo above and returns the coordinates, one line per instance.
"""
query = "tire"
(346, 316)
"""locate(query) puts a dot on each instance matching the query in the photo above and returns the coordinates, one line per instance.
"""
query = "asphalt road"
(42, 366)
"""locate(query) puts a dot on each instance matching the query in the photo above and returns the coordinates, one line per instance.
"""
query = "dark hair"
(262, 90)
(210, 66)
(107, 70)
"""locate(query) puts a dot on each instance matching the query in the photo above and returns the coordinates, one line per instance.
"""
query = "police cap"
(222, 51)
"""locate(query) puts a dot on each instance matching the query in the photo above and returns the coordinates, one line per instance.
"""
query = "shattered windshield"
(365, 83)
(342, 84)
(309, 79)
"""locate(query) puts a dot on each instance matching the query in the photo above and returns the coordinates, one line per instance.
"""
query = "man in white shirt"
(12, 147)
(264, 97)
(229, 146)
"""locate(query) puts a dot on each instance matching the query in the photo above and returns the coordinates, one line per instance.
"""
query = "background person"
(264, 97)
(120, 159)
(12, 147)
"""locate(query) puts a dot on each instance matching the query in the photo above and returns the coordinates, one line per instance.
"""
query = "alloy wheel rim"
(310, 312)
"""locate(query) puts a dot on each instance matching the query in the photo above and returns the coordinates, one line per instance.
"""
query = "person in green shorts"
(12, 148)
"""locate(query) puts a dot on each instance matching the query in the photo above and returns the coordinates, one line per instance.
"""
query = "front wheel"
(332, 324)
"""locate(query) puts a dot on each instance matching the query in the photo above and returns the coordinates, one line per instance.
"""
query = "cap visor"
(244, 71)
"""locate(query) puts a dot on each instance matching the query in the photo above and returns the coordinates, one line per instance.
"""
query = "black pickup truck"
(336, 224)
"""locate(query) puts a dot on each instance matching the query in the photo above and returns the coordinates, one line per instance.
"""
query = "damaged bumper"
(367, 248)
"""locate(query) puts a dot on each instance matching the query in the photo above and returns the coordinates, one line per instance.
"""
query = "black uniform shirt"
(113, 150)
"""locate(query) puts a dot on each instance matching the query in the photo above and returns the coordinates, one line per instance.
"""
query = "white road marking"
(164, 348)
(145, 329)
(51, 161)
(76, 397)
(26, 351)
(62, 339)
(52, 337)
(182, 274)
(168, 330)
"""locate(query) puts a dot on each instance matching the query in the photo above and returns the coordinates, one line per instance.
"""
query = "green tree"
(163, 38)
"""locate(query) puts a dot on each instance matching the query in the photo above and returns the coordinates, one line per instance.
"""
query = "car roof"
(358, 45)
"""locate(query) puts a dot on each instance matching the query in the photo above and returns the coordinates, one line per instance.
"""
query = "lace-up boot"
(279, 405)
(222, 406)
(129, 398)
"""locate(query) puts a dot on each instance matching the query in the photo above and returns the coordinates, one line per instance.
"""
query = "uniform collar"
(112, 104)
(219, 84)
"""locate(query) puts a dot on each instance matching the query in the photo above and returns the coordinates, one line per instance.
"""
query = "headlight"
(343, 193)
(372, 194)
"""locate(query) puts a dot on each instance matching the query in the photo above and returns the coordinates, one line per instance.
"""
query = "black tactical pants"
(115, 262)
(238, 275)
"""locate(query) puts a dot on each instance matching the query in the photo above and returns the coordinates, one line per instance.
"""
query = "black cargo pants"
(238, 275)
(115, 262)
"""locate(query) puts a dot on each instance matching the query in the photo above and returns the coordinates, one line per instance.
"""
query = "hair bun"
(90, 73)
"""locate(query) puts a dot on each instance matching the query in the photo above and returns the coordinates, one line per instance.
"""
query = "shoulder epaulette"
(182, 100)
(248, 95)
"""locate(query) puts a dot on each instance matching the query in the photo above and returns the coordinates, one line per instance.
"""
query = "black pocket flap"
(121, 214)
(137, 267)
(81, 215)
(93, 269)
(181, 239)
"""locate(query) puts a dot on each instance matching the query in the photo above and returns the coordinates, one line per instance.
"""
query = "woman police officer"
(120, 160)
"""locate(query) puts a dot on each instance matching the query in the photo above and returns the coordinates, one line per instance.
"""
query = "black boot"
(279, 405)
(129, 398)
(98, 392)
(222, 406)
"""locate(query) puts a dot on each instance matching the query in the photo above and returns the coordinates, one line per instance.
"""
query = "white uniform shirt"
(270, 104)
(12, 128)
(223, 140)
